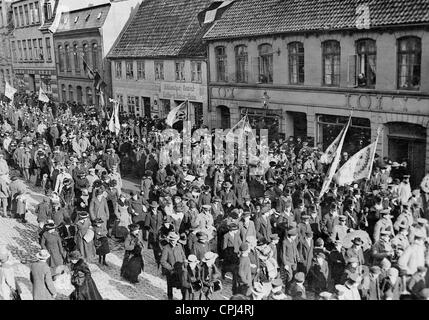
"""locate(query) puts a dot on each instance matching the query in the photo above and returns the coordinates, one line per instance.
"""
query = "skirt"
(132, 266)
(102, 246)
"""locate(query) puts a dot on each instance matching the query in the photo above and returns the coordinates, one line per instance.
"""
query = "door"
(146, 106)
(33, 82)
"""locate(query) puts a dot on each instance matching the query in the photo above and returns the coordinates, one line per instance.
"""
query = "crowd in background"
(272, 235)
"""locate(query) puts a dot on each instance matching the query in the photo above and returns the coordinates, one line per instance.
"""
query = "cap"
(244, 247)
(299, 277)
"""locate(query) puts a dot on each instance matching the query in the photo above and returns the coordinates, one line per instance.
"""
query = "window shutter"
(352, 71)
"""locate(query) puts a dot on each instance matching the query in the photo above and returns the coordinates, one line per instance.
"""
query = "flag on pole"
(336, 161)
(9, 91)
(177, 114)
(42, 96)
(114, 125)
(329, 154)
(89, 73)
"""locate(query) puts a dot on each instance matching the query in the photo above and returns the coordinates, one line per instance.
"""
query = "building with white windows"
(299, 67)
(160, 60)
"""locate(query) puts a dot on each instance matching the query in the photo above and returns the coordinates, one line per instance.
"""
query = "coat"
(99, 209)
(172, 259)
(87, 249)
(244, 278)
(412, 258)
(41, 278)
(85, 288)
(305, 251)
(52, 243)
(263, 229)
(370, 288)
(289, 254)
(247, 231)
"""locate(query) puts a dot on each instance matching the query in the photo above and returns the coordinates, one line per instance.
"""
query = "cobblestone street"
(21, 240)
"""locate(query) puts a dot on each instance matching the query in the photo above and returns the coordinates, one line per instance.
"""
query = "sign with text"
(181, 91)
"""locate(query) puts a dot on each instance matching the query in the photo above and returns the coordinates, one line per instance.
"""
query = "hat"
(422, 221)
(216, 199)
(277, 282)
(227, 184)
(183, 238)
(292, 232)
(357, 241)
(193, 259)
(325, 295)
(83, 214)
(43, 255)
(299, 277)
(233, 226)
(49, 226)
(385, 212)
(173, 236)
(148, 173)
(274, 236)
(375, 269)
(207, 206)
(154, 204)
(385, 232)
(202, 235)
(246, 214)
(98, 221)
(133, 227)
(75, 255)
(209, 256)
(320, 255)
(244, 247)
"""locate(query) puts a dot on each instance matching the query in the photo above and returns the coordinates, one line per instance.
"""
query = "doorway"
(32, 82)
(146, 106)
(224, 117)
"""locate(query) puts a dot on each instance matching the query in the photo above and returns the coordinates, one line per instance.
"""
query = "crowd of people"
(272, 235)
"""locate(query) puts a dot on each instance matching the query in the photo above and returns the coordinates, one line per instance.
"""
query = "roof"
(164, 28)
(263, 17)
(84, 18)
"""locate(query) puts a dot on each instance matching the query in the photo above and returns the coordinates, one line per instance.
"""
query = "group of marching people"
(271, 234)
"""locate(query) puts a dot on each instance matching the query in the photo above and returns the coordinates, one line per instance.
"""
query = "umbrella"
(367, 243)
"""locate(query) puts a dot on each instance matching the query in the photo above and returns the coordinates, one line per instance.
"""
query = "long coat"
(305, 251)
(87, 249)
(263, 229)
(41, 278)
(85, 288)
(99, 209)
(52, 243)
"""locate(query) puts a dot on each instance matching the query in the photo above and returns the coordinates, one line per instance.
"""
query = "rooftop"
(83, 18)
(264, 17)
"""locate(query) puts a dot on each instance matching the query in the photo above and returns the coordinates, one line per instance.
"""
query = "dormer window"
(87, 17)
(76, 19)
(99, 16)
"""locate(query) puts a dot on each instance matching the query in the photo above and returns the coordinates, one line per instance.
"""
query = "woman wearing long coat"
(133, 264)
(123, 219)
(81, 279)
(51, 241)
(101, 242)
(8, 283)
(41, 278)
(87, 249)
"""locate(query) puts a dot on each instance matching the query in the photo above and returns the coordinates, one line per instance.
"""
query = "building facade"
(299, 70)
(31, 46)
(160, 61)
(88, 34)
(6, 26)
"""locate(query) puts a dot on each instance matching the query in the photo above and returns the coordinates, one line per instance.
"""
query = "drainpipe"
(209, 108)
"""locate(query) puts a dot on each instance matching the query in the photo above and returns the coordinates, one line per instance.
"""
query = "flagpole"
(379, 130)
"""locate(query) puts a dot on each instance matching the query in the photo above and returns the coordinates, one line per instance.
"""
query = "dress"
(124, 221)
(85, 288)
(52, 243)
(133, 263)
(101, 242)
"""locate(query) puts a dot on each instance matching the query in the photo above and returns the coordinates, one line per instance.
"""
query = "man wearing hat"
(382, 248)
(296, 289)
(241, 190)
(355, 252)
(404, 189)
(246, 226)
(305, 248)
(217, 209)
(200, 247)
(340, 230)
(243, 280)
(172, 260)
(385, 223)
(289, 255)
(153, 223)
(263, 226)
(41, 278)
(210, 276)
(147, 184)
(277, 290)
(370, 288)
(85, 236)
(227, 194)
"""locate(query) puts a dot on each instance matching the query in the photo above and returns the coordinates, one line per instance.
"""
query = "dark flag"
(88, 70)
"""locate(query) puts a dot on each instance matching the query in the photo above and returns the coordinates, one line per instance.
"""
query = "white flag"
(177, 114)
(42, 96)
(336, 161)
(329, 154)
(357, 167)
(9, 91)
(114, 125)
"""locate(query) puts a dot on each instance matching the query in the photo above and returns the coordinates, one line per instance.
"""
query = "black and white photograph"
(204, 152)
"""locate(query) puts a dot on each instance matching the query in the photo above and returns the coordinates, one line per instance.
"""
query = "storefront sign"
(364, 101)
(181, 91)
(222, 93)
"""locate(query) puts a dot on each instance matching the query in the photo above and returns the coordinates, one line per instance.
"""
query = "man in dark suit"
(153, 224)
(289, 255)
(173, 260)
(263, 226)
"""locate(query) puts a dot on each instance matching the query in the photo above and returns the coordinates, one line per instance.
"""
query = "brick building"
(90, 33)
(31, 46)
(160, 60)
(6, 27)
(299, 67)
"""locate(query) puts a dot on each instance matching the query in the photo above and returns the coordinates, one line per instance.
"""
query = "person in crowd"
(41, 278)
(81, 279)
(9, 288)
(133, 263)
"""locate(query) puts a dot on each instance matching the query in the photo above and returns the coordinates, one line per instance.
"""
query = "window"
(24, 46)
(76, 59)
(41, 54)
(71, 95)
(27, 19)
(21, 17)
(120, 99)
(409, 63)
(220, 56)
(13, 50)
(76, 19)
(129, 70)
(64, 92)
(140, 70)
(35, 50)
(159, 70)
(265, 63)
(89, 100)
(49, 11)
(95, 56)
(21, 55)
(180, 70)
(31, 6)
(67, 55)
(241, 63)
(296, 62)
(331, 52)
(15, 12)
(37, 13)
(48, 49)
(366, 62)
(118, 69)
(30, 50)
(79, 94)
(137, 110)
(85, 53)
(60, 58)
(196, 71)
(131, 104)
